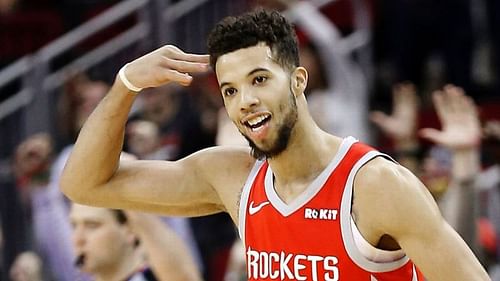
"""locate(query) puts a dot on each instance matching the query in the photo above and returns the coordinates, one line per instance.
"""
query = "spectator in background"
(451, 180)
(489, 186)
(45, 207)
(144, 141)
(7, 6)
(81, 95)
(35, 186)
(171, 109)
(29, 169)
(143, 138)
(27, 267)
(112, 245)
(178, 116)
(52, 233)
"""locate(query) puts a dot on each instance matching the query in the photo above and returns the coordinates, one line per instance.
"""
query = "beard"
(284, 133)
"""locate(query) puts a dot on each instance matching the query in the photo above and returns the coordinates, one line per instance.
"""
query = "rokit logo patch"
(320, 214)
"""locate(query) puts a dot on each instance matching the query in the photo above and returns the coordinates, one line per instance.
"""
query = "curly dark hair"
(271, 28)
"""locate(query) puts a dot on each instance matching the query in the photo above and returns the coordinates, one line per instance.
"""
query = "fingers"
(164, 65)
(452, 105)
(405, 102)
(379, 118)
(432, 135)
(183, 65)
(440, 104)
(175, 53)
(177, 65)
(170, 75)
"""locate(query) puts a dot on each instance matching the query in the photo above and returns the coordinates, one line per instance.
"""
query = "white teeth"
(256, 120)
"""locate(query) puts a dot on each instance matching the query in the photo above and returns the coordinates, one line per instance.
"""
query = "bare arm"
(93, 175)
(391, 200)
(167, 254)
(461, 134)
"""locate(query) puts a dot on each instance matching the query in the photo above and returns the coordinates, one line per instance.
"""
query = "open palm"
(459, 120)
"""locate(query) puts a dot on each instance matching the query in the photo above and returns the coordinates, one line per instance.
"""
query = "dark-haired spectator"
(114, 245)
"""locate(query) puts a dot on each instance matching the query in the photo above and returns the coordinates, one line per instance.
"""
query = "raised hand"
(401, 124)
(492, 129)
(164, 65)
(459, 120)
(32, 156)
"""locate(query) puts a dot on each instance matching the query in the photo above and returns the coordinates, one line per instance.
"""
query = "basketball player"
(309, 205)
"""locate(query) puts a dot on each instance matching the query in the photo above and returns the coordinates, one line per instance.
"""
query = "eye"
(259, 80)
(229, 91)
(92, 225)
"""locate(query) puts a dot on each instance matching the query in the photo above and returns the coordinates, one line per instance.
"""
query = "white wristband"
(125, 81)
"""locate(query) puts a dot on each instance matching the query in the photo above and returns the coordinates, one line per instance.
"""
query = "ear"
(299, 81)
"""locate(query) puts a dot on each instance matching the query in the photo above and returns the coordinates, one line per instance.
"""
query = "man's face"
(98, 237)
(258, 99)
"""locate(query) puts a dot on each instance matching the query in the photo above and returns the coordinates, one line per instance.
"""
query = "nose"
(78, 237)
(248, 99)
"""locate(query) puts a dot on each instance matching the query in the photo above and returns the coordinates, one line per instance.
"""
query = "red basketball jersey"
(313, 237)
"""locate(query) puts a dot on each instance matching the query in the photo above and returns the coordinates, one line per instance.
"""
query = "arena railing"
(184, 23)
(156, 22)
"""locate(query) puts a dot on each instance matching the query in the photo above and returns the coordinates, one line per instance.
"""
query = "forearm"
(466, 164)
(167, 254)
(96, 153)
(449, 259)
(459, 204)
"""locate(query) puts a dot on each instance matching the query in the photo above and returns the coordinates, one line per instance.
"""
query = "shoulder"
(225, 167)
(380, 172)
(391, 197)
(219, 160)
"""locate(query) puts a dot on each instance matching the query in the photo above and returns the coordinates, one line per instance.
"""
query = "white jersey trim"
(245, 193)
(372, 253)
(312, 189)
(138, 277)
(357, 250)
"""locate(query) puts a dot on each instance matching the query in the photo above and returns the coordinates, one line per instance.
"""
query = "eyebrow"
(249, 74)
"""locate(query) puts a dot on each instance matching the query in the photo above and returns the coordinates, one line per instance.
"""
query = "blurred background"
(58, 59)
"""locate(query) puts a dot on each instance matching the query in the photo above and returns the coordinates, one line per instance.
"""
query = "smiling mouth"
(255, 123)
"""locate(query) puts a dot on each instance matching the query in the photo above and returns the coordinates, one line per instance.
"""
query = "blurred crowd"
(429, 97)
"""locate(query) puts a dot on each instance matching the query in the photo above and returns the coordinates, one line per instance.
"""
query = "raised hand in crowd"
(32, 158)
(401, 125)
(461, 130)
(26, 267)
(491, 129)
(461, 134)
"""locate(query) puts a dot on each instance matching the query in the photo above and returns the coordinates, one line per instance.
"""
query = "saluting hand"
(164, 65)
